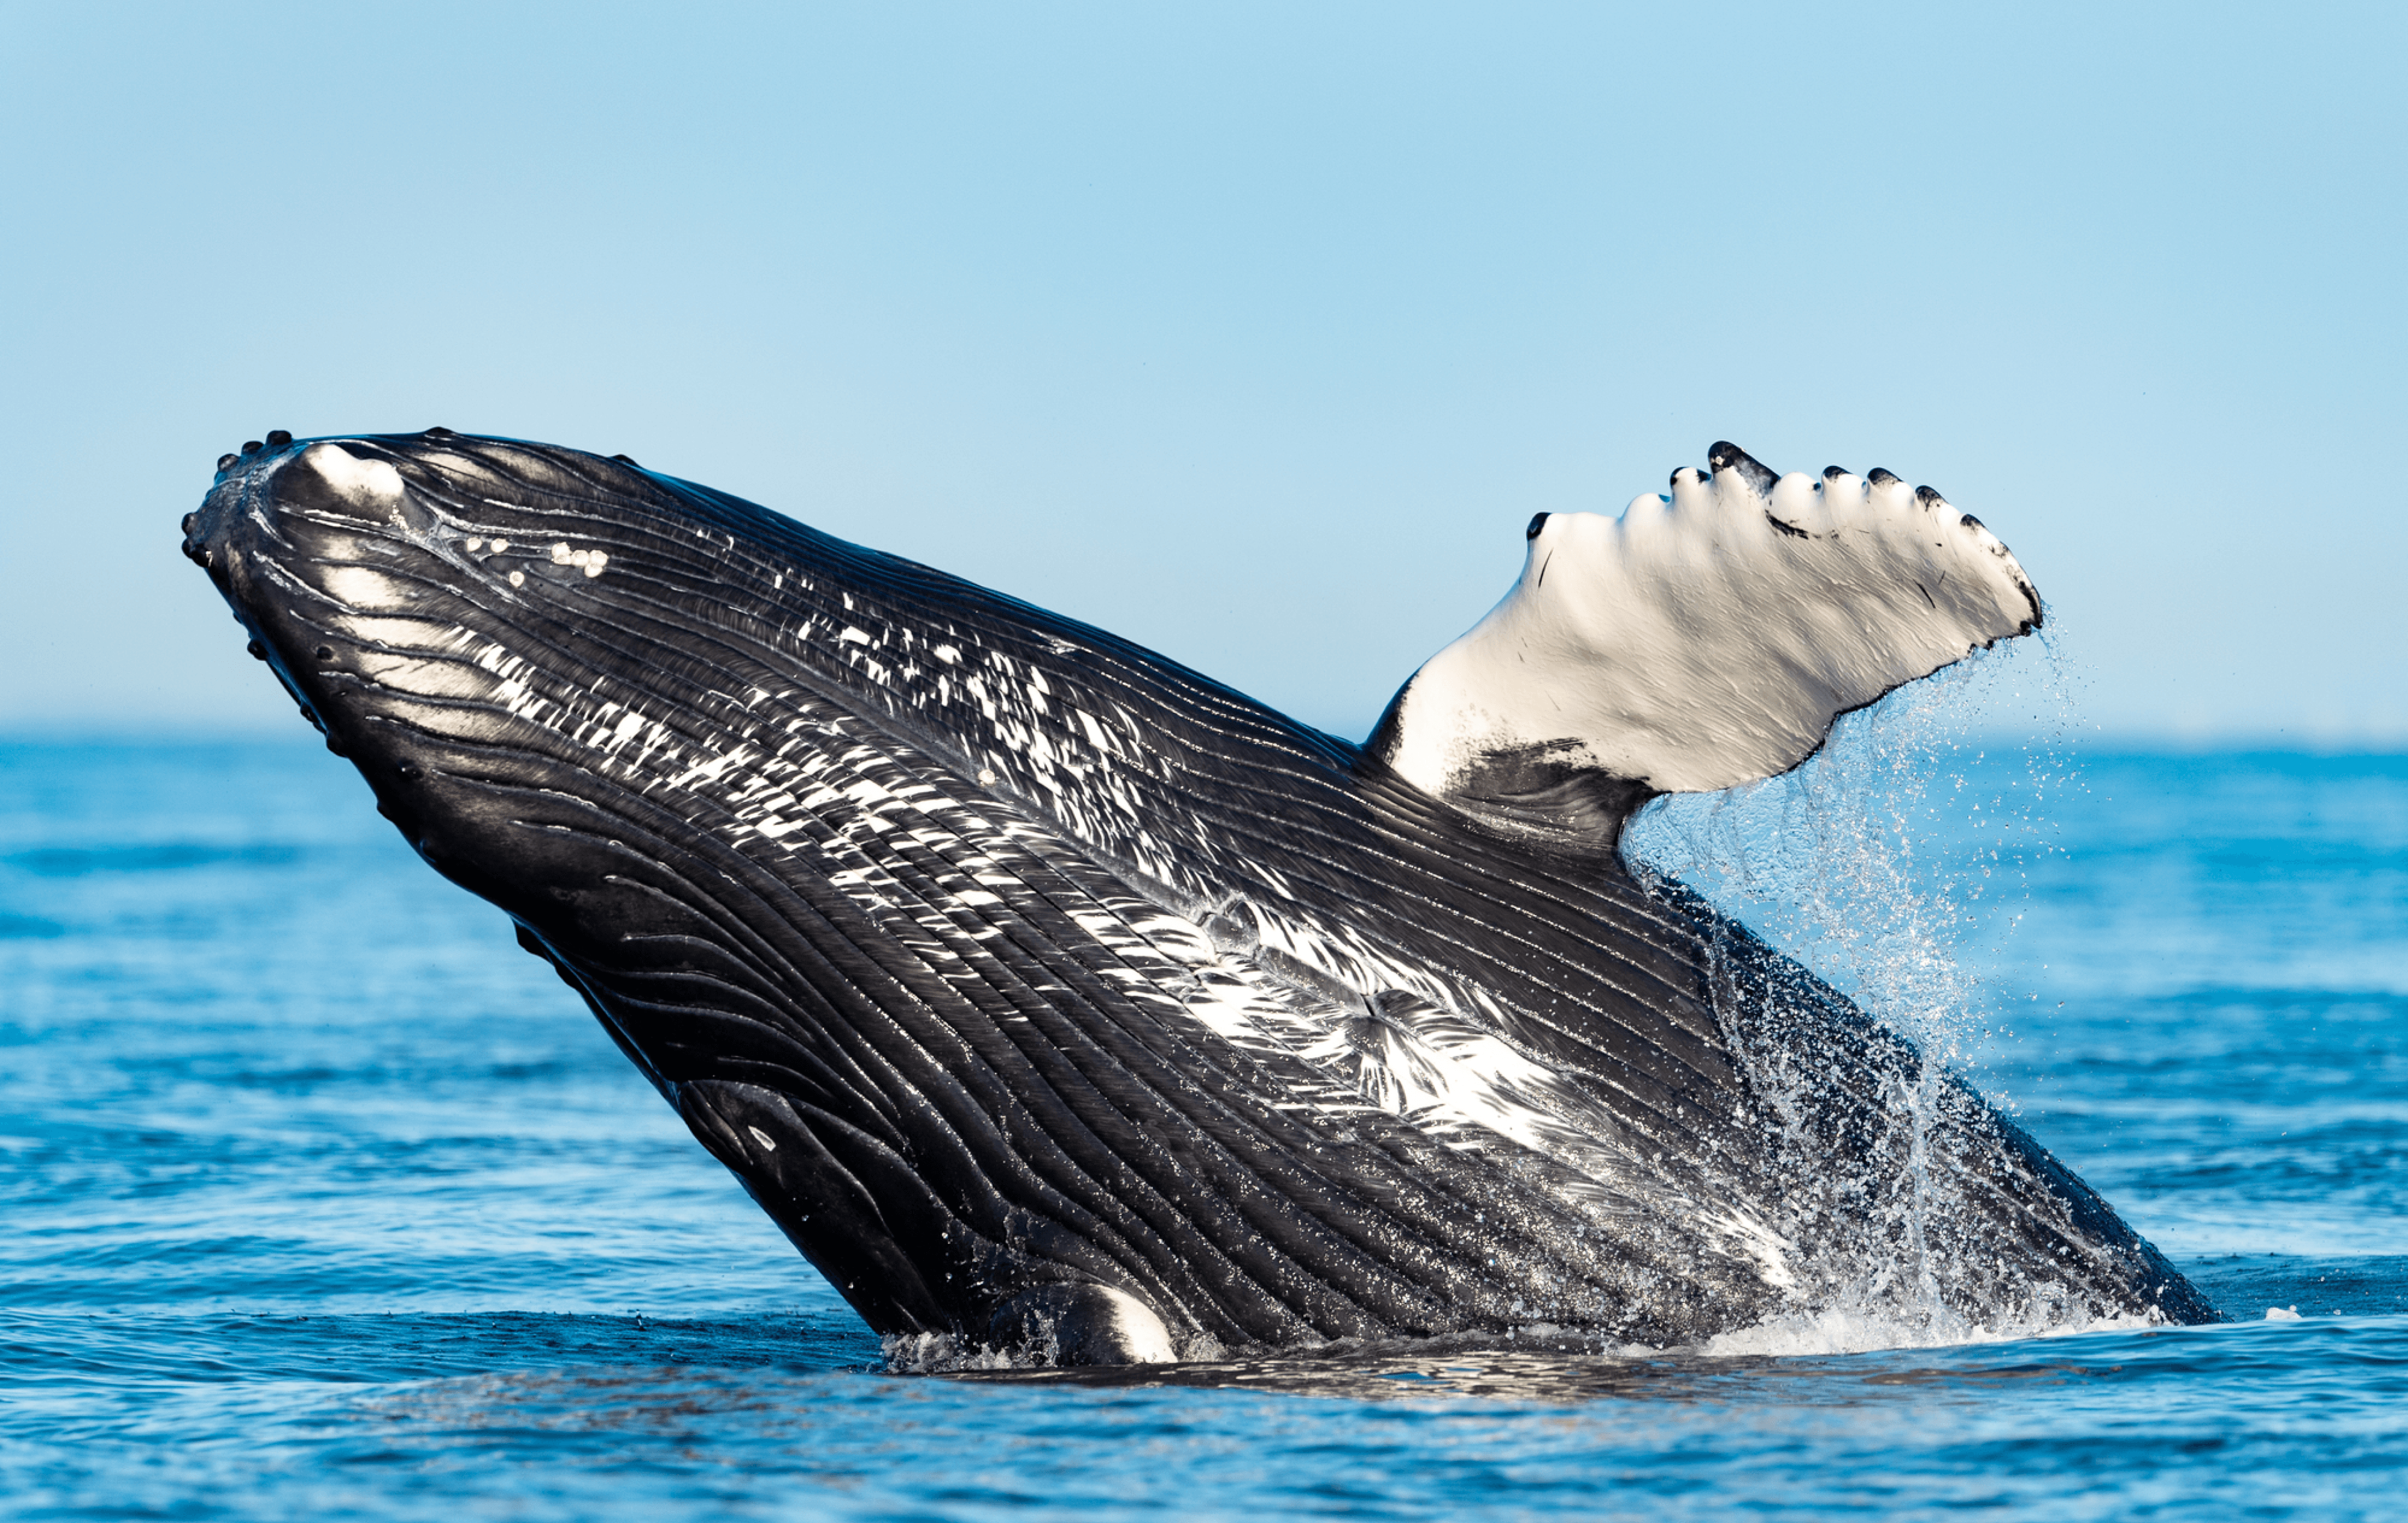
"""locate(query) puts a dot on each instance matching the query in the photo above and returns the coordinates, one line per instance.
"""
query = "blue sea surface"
(323, 1198)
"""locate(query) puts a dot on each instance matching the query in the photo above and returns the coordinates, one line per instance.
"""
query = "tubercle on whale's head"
(314, 538)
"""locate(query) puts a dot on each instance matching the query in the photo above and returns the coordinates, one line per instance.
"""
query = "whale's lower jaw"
(1031, 982)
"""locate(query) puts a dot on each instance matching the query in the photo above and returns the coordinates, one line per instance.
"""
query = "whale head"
(476, 623)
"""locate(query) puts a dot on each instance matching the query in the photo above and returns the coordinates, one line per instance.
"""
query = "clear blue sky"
(1252, 333)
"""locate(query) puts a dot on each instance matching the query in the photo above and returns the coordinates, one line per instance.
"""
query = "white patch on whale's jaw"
(1710, 637)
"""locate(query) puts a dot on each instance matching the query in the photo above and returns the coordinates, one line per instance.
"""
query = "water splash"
(949, 1354)
(944, 1354)
(1894, 862)
(1854, 1331)
(1894, 866)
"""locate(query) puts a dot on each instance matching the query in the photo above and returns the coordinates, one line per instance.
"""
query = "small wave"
(162, 856)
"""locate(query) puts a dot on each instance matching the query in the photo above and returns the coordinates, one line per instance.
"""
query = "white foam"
(941, 1353)
(1709, 638)
(1852, 1331)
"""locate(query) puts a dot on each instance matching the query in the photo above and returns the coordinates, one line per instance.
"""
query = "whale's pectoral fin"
(1705, 638)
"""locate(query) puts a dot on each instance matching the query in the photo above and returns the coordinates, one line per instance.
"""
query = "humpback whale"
(1048, 994)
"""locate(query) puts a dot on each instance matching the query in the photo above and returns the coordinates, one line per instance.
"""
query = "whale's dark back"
(989, 949)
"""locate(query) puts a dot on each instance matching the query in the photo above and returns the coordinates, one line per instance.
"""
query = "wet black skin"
(956, 1094)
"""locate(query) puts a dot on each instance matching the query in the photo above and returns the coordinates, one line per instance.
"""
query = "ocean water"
(323, 1198)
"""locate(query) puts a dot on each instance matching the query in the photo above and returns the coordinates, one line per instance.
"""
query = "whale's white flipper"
(1701, 639)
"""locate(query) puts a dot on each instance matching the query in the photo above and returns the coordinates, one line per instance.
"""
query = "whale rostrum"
(1050, 995)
